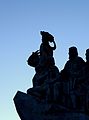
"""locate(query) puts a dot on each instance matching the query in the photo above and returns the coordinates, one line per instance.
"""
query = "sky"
(20, 24)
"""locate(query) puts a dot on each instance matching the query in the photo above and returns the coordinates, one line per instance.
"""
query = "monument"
(55, 94)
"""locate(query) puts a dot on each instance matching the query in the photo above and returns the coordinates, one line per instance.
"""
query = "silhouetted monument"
(55, 95)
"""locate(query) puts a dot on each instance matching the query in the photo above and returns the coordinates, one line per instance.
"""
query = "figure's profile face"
(87, 55)
(44, 37)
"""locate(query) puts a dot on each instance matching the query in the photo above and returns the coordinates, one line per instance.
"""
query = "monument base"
(31, 108)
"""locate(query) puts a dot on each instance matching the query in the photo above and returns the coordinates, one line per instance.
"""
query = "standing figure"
(70, 73)
(46, 71)
(87, 78)
(73, 66)
(46, 51)
(85, 81)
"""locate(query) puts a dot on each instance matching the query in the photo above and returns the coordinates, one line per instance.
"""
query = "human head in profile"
(87, 55)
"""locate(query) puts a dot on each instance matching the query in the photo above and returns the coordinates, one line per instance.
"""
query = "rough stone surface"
(29, 108)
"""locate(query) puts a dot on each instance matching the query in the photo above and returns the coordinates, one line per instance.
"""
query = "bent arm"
(54, 45)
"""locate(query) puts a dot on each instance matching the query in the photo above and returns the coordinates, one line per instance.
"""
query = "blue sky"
(20, 24)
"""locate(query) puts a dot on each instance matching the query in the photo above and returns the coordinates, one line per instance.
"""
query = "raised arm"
(54, 45)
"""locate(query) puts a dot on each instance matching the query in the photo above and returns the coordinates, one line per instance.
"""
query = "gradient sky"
(20, 24)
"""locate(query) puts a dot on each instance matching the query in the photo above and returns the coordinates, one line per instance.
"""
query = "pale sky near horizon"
(20, 24)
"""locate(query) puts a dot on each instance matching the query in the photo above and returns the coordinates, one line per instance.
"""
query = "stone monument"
(55, 95)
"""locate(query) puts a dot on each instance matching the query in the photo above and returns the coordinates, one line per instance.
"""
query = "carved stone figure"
(73, 65)
(46, 71)
(46, 51)
(71, 72)
(84, 82)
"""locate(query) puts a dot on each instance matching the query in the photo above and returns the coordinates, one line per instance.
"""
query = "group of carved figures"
(68, 87)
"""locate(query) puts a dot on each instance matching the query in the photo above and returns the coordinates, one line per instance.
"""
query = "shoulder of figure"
(67, 63)
(81, 60)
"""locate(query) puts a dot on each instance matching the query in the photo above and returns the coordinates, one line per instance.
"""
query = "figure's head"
(46, 37)
(87, 55)
(73, 53)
